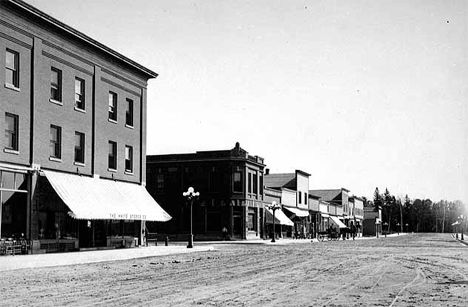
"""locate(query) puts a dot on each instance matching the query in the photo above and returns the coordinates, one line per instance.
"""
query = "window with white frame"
(113, 106)
(12, 68)
(55, 142)
(79, 147)
(79, 93)
(129, 113)
(11, 131)
(112, 159)
(56, 84)
(129, 159)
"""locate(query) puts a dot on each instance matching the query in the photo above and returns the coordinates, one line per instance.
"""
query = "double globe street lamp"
(274, 206)
(191, 195)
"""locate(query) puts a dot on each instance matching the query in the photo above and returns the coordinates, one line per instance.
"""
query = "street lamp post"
(274, 206)
(462, 220)
(385, 224)
(191, 195)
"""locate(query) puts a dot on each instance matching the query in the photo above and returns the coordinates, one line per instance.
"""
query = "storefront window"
(13, 201)
(252, 220)
(213, 221)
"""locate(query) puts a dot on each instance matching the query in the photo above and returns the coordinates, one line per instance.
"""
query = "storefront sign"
(126, 216)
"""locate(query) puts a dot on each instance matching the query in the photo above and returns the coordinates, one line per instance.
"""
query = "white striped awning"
(298, 212)
(100, 199)
(280, 218)
(337, 222)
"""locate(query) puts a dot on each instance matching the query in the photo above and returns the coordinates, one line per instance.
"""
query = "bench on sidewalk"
(151, 237)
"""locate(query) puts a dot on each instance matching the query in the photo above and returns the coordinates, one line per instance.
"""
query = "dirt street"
(412, 270)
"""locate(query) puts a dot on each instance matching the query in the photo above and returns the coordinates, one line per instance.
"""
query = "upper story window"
(12, 68)
(255, 183)
(300, 196)
(129, 159)
(249, 182)
(215, 181)
(79, 147)
(55, 142)
(237, 182)
(112, 163)
(11, 131)
(261, 184)
(129, 113)
(113, 106)
(56, 84)
(79, 94)
(159, 183)
(305, 198)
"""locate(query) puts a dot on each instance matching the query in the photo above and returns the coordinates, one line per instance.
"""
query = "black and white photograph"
(289, 153)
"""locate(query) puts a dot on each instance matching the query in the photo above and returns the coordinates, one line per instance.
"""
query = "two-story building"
(356, 205)
(372, 222)
(295, 191)
(230, 183)
(73, 152)
(283, 225)
(315, 215)
(338, 205)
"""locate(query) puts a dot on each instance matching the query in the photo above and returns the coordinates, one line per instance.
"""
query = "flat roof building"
(230, 183)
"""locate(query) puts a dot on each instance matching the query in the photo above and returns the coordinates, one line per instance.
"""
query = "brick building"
(230, 183)
(73, 112)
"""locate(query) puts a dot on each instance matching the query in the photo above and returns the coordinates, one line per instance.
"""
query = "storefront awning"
(338, 222)
(99, 199)
(325, 215)
(280, 218)
(298, 212)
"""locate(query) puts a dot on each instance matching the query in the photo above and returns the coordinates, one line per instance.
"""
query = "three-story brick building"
(73, 112)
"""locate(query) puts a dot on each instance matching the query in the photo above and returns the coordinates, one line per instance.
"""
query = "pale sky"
(360, 94)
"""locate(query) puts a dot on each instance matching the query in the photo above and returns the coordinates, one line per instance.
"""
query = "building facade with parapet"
(337, 203)
(230, 183)
(295, 197)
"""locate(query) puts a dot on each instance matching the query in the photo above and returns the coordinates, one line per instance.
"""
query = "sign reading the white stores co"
(127, 216)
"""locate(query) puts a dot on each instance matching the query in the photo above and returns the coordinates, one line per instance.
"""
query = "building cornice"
(80, 36)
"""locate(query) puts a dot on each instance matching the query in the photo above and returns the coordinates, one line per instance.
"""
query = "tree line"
(415, 215)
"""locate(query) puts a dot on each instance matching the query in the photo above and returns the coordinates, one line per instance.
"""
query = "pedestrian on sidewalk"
(224, 232)
(353, 230)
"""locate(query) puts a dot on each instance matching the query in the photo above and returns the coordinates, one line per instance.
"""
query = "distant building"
(315, 215)
(283, 225)
(230, 183)
(73, 116)
(356, 207)
(295, 190)
(337, 203)
(372, 223)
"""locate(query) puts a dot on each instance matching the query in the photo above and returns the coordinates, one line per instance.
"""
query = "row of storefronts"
(74, 173)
